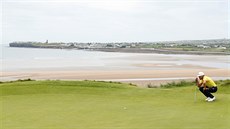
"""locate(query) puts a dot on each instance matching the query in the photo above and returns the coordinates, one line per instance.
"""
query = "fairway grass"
(104, 105)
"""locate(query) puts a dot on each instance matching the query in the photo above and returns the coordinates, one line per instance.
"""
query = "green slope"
(100, 105)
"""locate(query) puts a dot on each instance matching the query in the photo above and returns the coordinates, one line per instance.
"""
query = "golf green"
(104, 105)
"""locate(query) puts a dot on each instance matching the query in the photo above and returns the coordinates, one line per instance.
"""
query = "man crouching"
(206, 86)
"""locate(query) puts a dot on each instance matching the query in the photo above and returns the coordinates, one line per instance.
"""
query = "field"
(104, 105)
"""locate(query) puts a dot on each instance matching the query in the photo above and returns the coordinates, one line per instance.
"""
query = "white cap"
(200, 74)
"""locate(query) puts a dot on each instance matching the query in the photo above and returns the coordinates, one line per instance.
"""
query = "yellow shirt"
(209, 81)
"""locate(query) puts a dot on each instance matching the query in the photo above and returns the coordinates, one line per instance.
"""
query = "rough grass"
(102, 105)
(177, 84)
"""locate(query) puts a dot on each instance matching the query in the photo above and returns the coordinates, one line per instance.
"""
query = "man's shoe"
(207, 99)
(211, 99)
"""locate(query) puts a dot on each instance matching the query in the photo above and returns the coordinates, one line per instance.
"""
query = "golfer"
(206, 86)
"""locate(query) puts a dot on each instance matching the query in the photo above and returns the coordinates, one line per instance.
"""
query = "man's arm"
(198, 82)
(204, 84)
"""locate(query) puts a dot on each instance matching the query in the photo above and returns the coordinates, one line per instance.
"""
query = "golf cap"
(200, 74)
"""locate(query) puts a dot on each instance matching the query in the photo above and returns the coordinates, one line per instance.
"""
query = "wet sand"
(138, 69)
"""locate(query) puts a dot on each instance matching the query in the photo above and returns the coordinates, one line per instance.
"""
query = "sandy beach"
(142, 78)
(141, 69)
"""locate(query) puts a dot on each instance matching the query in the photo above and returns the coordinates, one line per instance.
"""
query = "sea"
(30, 59)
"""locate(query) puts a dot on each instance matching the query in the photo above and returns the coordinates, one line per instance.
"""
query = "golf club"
(195, 96)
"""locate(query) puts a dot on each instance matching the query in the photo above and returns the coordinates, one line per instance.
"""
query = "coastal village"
(214, 45)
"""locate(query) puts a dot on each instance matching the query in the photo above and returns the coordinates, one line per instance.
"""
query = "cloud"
(103, 21)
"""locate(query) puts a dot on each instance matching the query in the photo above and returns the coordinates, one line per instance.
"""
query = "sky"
(113, 20)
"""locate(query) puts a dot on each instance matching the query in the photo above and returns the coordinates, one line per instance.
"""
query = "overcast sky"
(113, 20)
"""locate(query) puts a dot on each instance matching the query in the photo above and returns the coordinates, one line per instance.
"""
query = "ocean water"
(20, 59)
(27, 59)
(37, 59)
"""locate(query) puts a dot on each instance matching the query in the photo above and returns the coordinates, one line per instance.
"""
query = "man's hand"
(205, 88)
(196, 80)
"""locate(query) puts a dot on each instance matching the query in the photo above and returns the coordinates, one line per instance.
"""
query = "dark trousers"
(207, 92)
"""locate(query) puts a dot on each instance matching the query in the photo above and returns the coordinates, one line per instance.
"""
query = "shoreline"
(141, 69)
(141, 78)
(157, 51)
(139, 50)
(193, 47)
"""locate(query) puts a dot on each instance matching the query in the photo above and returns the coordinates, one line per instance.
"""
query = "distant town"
(213, 46)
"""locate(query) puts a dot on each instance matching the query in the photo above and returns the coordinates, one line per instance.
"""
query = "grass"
(102, 105)
(178, 84)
